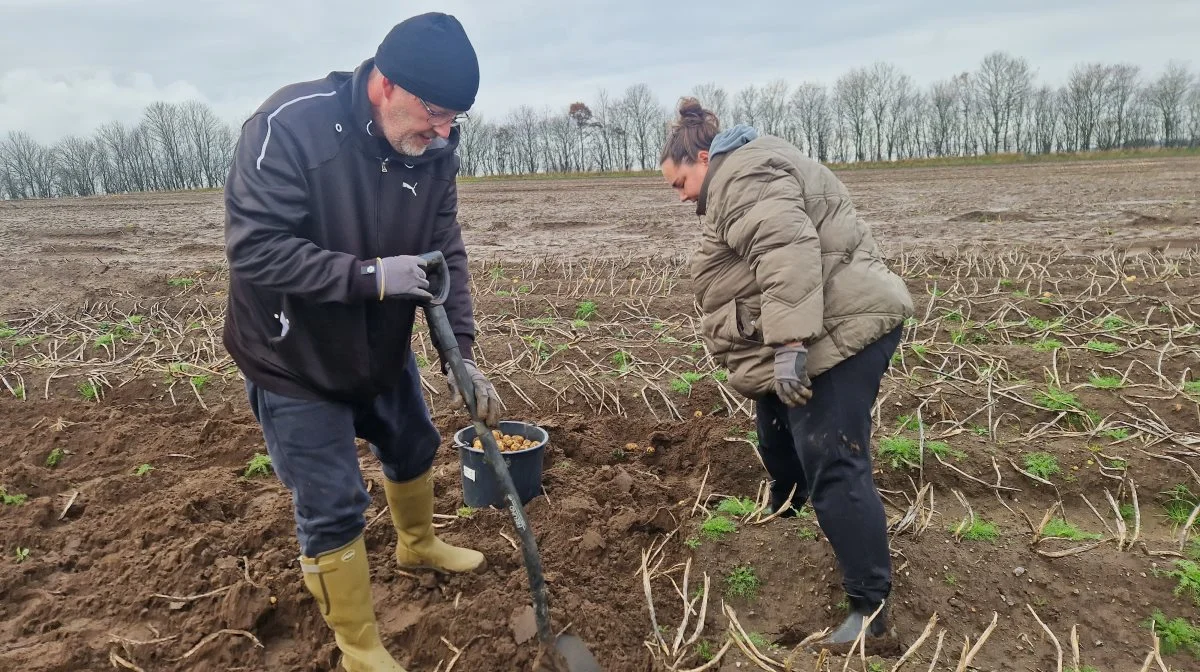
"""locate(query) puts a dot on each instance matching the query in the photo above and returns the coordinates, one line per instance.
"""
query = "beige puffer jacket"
(784, 258)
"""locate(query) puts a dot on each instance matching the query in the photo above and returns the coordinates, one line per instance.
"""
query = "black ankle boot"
(777, 500)
(860, 611)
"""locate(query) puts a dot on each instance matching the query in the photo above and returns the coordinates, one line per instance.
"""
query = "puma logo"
(411, 187)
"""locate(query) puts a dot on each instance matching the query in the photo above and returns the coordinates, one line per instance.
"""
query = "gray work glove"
(487, 401)
(403, 276)
(792, 384)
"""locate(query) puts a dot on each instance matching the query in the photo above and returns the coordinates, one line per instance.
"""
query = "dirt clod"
(523, 624)
(592, 542)
(623, 482)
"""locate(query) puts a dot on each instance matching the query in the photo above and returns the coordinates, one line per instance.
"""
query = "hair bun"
(690, 111)
(691, 132)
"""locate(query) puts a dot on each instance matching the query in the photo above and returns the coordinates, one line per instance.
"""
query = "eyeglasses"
(439, 118)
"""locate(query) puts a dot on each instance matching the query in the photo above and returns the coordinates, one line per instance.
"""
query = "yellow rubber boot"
(341, 583)
(411, 506)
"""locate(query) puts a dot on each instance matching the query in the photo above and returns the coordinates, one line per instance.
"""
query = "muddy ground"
(1036, 443)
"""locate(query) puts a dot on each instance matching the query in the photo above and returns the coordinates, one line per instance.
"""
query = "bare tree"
(810, 105)
(643, 113)
(745, 110)
(968, 141)
(603, 119)
(472, 143)
(1085, 95)
(165, 127)
(772, 113)
(110, 140)
(11, 185)
(881, 82)
(559, 142)
(917, 129)
(77, 164)
(502, 154)
(211, 143)
(144, 162)
(30, 165)
(1045, 120)
(1002, 86)
(1142, 122)
(486, 140)
(658, 132)
(1193, 106)
(713, 98)
(944, 119)
(8, 183)
(990, 85)
(620, 134)
(1121, 85)
(127, 158)
(852, 91)
(842, 151)
(900, 130)
(526, 138)
(1167, 95)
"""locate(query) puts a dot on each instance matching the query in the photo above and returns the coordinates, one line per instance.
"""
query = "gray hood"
(731, 138)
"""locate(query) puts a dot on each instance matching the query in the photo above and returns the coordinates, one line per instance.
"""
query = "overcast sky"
(67, 66)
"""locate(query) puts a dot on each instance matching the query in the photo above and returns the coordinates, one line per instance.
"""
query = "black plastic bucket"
(480, 486)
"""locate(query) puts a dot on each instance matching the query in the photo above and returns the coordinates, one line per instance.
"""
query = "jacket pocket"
(838, 336)
(324, 345)
(732, 326)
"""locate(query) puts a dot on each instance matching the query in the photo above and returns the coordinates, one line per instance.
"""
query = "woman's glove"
(792, 384)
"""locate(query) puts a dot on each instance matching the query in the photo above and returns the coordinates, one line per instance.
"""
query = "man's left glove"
(402, 276)
(487, 401)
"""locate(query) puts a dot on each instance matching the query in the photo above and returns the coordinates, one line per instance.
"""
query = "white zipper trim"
(263, 151)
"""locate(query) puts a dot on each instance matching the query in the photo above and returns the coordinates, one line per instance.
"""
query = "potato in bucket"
(523, 446)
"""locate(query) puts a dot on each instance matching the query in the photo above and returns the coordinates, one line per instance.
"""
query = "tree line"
(173, 146)
(871, 113)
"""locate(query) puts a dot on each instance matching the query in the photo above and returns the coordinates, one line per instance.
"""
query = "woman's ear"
(702, 157)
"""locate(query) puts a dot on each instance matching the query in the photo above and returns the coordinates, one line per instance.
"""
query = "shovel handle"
(439, 276)
(447, 345)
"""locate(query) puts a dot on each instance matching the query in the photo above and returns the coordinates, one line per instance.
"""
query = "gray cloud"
(67, 66)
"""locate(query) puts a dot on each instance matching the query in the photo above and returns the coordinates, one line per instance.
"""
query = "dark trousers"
(312, 449)
(824, 449)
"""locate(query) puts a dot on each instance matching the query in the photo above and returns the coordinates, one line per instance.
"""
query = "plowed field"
(1037, 439)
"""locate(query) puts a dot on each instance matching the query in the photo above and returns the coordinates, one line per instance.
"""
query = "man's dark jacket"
(315, 194)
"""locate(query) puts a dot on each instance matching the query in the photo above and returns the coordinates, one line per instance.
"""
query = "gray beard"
(405, 148)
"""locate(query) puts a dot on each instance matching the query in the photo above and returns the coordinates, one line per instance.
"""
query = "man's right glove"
(487, 401)
(402, 276)
(792, 384)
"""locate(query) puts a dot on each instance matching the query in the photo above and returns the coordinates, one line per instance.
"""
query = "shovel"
(573, 655)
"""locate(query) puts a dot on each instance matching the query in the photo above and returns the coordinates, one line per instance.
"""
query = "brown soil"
(1176, 218)
(188, 564)
(994, 217)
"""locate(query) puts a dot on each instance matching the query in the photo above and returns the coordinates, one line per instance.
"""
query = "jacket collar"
(713, 165)
(364, 117)
(371, 137)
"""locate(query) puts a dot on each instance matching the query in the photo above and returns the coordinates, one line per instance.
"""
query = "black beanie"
(430, 56)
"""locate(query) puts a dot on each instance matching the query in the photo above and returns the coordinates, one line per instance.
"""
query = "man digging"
(336, 186)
